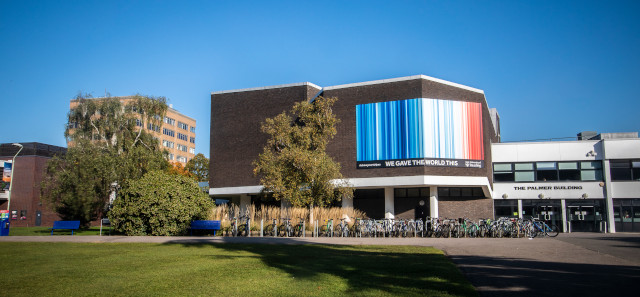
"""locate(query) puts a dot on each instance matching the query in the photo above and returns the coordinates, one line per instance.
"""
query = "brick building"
(384, 144)
(177, 134)
(27, 209)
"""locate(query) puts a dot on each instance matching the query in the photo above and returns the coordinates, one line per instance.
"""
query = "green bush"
(159, 204)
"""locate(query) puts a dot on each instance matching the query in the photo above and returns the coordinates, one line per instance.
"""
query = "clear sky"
(551, 68)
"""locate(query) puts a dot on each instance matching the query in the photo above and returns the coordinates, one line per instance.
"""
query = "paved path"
(578, 264)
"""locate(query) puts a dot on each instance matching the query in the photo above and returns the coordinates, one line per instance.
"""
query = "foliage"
(106, 148)
(159, 204)
(199, 167)
(177, 168)
(294, 164)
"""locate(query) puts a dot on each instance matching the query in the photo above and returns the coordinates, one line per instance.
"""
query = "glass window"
(503, 176)
(413, 192)
(443, 191)
(502, 167)
(546, 165)
(524, 176)
(591, 165)
(524, 166)
(466, 192)
(626, 214)
(620, 173)
(425, 192)
(401, 193)
(588, 175)
(192, 129)
(568, 165)
(454, 192)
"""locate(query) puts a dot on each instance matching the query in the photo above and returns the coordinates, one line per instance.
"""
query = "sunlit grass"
(138, 269)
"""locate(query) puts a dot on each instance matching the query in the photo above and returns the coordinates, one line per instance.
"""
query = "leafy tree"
(199, 167)
(177, 168)
(108, 145)
(294, 165)
(159, 204)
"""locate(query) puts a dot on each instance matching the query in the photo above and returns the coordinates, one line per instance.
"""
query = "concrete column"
(608, 196)
(433, 202)
(388, 201)
(520, 208)
(563, 206)
(245, 203)
(347, 202)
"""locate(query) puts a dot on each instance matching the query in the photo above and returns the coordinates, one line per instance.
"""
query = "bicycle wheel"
(552, 231)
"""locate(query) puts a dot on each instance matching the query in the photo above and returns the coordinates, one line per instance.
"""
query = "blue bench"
(65, 225)
(205, 225)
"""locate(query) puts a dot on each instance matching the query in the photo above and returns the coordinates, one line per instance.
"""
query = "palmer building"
(420, 146)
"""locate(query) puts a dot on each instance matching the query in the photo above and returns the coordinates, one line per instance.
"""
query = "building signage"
(540, 188)
(426, 162)
(419, 132)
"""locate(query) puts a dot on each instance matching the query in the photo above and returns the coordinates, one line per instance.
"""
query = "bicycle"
(327, 228)
(285, 229)
(298, 230)
(541, 228)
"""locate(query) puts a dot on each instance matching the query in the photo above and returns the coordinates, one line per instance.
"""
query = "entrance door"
(584, 215)
(550, 214)
(38, 218)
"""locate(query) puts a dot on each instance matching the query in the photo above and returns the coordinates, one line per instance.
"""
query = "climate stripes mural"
(418, 129)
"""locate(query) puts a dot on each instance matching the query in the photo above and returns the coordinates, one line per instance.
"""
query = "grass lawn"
(140, 269)
(40, 231)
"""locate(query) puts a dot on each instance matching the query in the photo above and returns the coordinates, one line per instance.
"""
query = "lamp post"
(13, 168)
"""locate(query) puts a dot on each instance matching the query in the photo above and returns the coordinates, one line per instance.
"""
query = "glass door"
(585, 215)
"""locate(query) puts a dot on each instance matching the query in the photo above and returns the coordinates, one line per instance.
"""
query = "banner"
(419, 131)
(6, 172)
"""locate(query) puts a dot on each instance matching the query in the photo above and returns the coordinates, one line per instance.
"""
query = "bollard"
(261, 226)
(248, 227)
(304, 229)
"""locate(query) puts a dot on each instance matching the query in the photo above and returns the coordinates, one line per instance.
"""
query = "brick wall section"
(27, 178)
(474, 209)
(236, 139)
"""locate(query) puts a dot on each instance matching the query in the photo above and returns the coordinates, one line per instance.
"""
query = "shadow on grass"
(508, 277)
(392, 269)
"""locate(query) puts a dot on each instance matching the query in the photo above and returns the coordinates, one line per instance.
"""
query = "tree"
(199, 167)
(177, 168)
(160, 204)
(108, 145)
(294, 165)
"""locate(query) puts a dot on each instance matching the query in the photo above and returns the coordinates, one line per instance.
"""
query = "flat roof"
(268, 87)
(413, 77)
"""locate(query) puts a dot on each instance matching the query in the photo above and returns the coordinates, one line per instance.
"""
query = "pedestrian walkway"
(578, 264)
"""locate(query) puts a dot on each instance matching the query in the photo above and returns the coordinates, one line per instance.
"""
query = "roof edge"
(268, 87)
(413, 77)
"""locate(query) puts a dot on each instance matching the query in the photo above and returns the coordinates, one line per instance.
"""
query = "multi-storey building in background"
(177, 134)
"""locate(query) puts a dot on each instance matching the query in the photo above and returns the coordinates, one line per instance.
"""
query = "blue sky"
(551, 68)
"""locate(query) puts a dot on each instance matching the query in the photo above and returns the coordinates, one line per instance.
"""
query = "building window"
(181, 159)
(182, 147)
(183, 126)
(193, 129)
(167, 143)
(168, 132)
(625, 169)
(548, 171)
(170, 121)
(171, 157)
(192, 150)
(182, 136)
(192, 139)
(138, 123)
(153, 127)
(462, 192)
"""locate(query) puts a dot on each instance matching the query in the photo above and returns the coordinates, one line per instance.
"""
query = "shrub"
(159, 204)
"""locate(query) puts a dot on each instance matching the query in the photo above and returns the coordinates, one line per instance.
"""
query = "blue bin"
(4, 227)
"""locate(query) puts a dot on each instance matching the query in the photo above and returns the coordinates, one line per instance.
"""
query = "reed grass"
(227, 212)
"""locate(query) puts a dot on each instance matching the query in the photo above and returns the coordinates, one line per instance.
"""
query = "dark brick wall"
(27, 178)
(236, 139)
(474, 209)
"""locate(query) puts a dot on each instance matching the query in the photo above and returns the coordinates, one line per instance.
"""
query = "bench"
(205, 225)
(65, 225)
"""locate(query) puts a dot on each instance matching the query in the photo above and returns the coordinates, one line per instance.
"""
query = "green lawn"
(137, 269)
